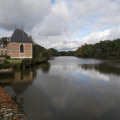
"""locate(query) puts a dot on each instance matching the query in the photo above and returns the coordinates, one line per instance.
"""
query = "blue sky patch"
(53, 1)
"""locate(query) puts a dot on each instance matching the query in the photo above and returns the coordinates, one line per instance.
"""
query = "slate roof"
(2, 43)
(20, 36)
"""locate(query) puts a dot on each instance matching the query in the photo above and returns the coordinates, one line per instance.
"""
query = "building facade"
(3, 48)
(18, 45)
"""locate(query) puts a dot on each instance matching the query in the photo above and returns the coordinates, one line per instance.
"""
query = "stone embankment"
(9, 110)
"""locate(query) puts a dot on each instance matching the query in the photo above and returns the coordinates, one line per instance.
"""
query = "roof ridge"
(20, 36)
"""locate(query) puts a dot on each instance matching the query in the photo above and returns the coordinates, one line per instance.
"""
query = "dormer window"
(21, 48)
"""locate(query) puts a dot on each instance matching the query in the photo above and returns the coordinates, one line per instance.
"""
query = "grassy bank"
(18, 63)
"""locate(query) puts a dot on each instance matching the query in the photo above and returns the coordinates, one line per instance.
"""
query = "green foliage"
(15, 63)
(37, 50)
(26, 62)
(102, 49)
(31, 39)
(65, 53)
(4, 39)
(45, 54)
(5, 64)
(5, 56)
(53, 52)
(39, 60)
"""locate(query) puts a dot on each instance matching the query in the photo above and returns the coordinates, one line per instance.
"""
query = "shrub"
(45, 54)
(5, 64)
(15, 65)
(7, 57)
(26, 62)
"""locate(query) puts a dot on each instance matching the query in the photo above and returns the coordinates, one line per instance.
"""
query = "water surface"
(69, 88)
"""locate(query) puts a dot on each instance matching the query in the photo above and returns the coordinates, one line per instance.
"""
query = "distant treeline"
(54, 52)
(103, 49)
(67, 53)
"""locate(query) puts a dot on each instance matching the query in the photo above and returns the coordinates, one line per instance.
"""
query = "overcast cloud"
(62, 24)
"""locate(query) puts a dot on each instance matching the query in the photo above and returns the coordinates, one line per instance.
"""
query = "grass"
(14, 61)
(18, 63)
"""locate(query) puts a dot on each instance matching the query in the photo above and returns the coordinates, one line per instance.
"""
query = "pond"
(69, 88)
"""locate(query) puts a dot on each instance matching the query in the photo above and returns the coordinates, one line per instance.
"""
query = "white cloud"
(22, 12)
(64, 42)
(57, 25)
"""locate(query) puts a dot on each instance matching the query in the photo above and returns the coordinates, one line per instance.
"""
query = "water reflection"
(70, 88)
(103, 68)
(23, 78)
(71, 92)
(45, 67)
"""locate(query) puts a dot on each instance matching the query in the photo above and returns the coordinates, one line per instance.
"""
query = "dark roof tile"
(20, 36)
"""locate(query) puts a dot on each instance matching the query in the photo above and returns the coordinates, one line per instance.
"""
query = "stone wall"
(13, 50)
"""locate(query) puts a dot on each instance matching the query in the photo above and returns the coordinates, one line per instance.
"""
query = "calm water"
(69, 88)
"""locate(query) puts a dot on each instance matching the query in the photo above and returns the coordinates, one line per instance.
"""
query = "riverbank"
(9, 110)
(18, 63)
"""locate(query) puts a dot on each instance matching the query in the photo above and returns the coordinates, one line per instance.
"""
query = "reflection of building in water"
(19, 77)
(21, 81)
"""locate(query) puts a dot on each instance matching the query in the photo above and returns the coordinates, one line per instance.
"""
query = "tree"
(102, 49)
(53, 52)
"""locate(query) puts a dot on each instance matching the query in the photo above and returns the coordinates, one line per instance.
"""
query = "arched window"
(21, 48)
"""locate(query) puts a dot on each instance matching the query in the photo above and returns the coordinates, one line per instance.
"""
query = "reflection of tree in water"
(23, 78)
(45, 67)
(103, 68)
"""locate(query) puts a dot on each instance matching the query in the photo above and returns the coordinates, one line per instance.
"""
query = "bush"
(45, 54)
(5, 64)
(7, 57)
(26, 62)
(15, 65)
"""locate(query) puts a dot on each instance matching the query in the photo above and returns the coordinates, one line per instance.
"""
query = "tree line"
(103, 49)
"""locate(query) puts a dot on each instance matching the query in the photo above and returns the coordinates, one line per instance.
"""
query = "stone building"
(18, 45)
(3, 48)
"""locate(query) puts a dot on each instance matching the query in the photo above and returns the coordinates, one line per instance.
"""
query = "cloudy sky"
(62, 24)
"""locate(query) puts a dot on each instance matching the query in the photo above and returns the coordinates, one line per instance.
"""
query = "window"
(5, 52)
(21, 48)
(1, 52)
